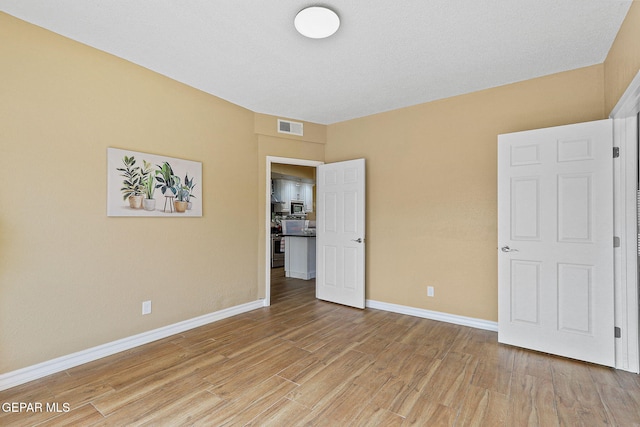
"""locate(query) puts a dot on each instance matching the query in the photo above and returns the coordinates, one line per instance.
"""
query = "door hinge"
(617, 332)
(616, 242)
(616, 152)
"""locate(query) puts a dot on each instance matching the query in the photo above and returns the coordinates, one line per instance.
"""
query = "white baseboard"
(434, 315)
(30, 373)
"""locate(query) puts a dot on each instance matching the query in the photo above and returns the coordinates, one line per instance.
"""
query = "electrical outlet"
(430, 291)
(146, 307)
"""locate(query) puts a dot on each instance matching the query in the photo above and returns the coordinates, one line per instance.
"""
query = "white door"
(340, 232)
(555, 241)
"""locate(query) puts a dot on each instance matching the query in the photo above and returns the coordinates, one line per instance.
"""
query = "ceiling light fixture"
(317, 22)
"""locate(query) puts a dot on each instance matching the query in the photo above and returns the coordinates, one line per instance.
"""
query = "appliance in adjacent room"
(297, 208)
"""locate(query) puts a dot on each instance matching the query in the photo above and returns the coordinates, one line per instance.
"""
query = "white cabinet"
(308, 197)
(296, 190)
(286, 191)
(300, 257)
(281, 188)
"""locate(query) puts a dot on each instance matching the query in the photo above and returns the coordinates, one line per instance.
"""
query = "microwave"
(297, 208)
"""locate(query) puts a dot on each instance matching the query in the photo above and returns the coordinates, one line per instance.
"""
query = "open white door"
(555, 241)
(340, 232)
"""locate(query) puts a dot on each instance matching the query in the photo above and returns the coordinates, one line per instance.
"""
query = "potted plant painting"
(166, 180)
(189, 186)
(182, 194)
(148, 185)
(132, 184)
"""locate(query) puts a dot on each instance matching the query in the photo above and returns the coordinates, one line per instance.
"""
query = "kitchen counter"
(300, 256)
(299, 235)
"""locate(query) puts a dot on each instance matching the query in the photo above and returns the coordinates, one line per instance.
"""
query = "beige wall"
(72, 278)
(431, 186)
(431, 177)
(623, 61)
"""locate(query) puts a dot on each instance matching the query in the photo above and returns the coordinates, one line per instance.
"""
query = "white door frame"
(625, 137)
(267, 238)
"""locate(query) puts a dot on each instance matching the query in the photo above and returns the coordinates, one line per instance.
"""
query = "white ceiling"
(386, 55)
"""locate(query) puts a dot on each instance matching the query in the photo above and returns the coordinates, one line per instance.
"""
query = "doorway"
(267, 238)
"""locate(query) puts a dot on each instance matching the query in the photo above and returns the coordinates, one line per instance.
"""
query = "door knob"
(508, 249)
(358, 240)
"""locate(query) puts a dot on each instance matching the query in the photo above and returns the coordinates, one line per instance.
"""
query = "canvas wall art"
(143, 184)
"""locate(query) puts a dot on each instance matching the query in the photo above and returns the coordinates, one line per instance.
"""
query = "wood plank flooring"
(306, 362)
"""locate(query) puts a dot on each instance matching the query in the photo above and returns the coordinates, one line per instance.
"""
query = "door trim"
(267, 237)
(625, 136)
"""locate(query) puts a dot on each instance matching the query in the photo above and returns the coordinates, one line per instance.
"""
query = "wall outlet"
(146, 307)
(430, 291)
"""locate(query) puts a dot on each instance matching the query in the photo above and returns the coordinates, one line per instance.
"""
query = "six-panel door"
(555, 241)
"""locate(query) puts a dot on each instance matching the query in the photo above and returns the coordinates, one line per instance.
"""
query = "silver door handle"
(508, 249)
(358, 240)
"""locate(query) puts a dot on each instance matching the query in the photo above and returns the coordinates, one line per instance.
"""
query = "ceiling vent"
(291, 128)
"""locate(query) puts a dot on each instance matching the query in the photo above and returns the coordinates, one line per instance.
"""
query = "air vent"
(291, 128)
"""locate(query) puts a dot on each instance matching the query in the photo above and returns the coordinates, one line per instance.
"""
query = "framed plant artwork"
(143, 184)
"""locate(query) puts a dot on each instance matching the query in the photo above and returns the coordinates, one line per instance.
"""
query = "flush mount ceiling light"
(317, 22)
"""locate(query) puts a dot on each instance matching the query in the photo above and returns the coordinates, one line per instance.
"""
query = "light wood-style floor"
(306, 362)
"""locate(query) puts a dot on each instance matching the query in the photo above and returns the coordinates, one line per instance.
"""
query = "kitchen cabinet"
(281, 189)
(308, 198)
(287, 190)
(297, 190)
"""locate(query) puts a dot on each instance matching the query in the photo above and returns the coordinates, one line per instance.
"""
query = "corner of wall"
(623, 60)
